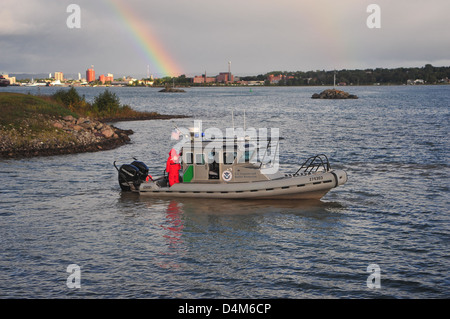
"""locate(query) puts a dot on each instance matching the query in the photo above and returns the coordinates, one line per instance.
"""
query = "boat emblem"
(227, 176)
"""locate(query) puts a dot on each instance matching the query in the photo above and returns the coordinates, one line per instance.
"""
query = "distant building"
(225, 77)
(274, 79)
(200, 79)
(12, 79)
(128, 80)
(254, 82)
(90, 75)
(148, 81)
(59, 76)
(109, 77)
(415, 82)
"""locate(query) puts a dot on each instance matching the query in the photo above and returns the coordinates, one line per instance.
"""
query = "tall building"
(90, 75)
(59, 76)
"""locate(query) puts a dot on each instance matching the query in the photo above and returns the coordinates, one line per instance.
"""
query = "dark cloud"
(256, 35)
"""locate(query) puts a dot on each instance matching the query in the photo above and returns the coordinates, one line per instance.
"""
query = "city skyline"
(138, 38)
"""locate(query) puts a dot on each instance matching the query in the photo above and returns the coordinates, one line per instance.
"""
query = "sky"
(174, 37)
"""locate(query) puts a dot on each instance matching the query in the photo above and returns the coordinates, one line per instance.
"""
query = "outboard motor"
(133, 174)
(143, 169)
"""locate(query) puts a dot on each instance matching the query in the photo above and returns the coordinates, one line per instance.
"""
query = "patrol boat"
(233, 171)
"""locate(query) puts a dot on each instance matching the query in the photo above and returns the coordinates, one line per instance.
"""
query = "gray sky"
(257, 36)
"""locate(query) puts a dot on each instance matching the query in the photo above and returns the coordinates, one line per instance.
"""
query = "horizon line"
(241, 74)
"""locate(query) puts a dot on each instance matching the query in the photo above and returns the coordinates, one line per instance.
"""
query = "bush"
(69, 98)
(106, 103)
(105, 106)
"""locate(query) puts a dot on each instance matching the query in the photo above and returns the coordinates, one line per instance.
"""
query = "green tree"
(106, 103)
(69, 98)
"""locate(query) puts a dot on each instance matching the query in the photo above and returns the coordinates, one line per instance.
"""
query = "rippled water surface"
(394, 211)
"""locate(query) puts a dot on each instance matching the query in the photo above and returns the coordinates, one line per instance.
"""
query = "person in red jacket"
(173, 167)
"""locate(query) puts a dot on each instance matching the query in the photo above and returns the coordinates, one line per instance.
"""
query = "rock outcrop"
(333, 94)
(172, 90)
(89, 130)
(70, 135)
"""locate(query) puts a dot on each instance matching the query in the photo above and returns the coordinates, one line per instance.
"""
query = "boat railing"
(313, 164)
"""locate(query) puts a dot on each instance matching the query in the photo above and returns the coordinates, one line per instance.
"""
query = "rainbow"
(148, 45)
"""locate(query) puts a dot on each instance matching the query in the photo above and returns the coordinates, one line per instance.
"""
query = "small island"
(333, 94)
(172, 90)
(64, 123)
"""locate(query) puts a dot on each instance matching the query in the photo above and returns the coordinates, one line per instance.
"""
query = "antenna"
(334, 79)
(232, 119)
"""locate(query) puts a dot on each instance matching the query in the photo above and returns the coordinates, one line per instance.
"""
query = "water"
(394, 211)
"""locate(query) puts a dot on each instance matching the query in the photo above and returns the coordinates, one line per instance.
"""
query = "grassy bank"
(26, 121)
(16, 108)
(106, 106)
(63, 123)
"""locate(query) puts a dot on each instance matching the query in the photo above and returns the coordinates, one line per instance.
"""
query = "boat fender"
(149, 178)
(335, 178)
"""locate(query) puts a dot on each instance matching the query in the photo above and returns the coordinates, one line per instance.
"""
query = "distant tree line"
(181, 80)
(429, 74)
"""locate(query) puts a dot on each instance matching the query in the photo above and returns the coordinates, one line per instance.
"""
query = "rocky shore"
(64, 123)
(70, 135)
(333, 94)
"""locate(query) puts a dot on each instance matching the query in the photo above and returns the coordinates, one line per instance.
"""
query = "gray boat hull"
(310, 186)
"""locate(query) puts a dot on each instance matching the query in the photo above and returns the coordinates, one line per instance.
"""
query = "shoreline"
(85, 136)
(33, 126)
(230, 85)
(143, 118)
(45, 150)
